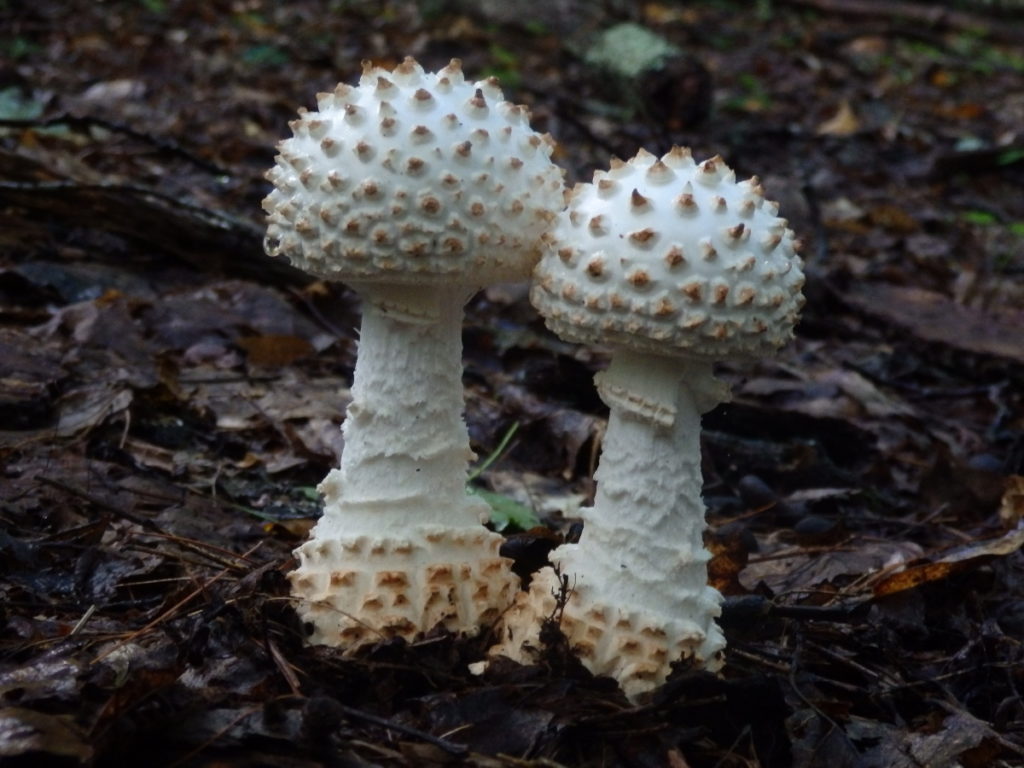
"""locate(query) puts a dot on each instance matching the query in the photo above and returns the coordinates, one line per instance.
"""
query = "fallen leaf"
(730, 552)
(85, 407)
(26, 733)
(49, 679)
(893, 218)
(859, 388)
(843, 123)
(297, 528)
(798, 569)
(955, 561)
(1011, 508)
(275, 350)
(959, 735)
(933, 317)
(915, 577)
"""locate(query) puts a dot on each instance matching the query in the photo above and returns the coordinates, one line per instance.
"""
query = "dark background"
(169, 397)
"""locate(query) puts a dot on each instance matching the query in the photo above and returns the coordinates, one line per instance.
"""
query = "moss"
(629, 50)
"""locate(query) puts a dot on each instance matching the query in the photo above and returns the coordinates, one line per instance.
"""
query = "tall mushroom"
(673, 265)
(416, 189)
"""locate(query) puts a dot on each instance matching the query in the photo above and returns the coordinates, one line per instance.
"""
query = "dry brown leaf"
(870, 398)
(296, 528)
(916, 576)
(90, 405)
(729, 555)
(960, 739)
(893, 218)
(1011, 508)
(25, 733)
(843, 123)
(798, 569)
(275, 350)
(933, 317)
(669, 13)
(960, 559)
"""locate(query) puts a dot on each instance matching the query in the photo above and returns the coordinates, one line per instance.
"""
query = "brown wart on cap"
(638, 203)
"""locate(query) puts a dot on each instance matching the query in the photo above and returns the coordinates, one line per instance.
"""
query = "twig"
(610, 718)
(817, 223)
(286, 669)
(797, 662)
(215, 219)
(778, 666)
(185, 557)
(173, 609)
(448, 746)
(314, 310)
(784, 554)
(194, 544)
(86, 122)
(82, 621)
(242, 716)
(496, 454)
(98, 502)
(744, 733)
(933, 15)
(247, 379)
(149, 527)
(870, 674)
(849, 612)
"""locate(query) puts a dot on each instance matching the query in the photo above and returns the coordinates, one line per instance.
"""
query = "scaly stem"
(406, 451)
(642, 543)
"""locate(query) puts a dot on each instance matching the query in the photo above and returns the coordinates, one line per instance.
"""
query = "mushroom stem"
(642, 549)
(642, 539)
(639, 598)
(400, 548)
(406, 450)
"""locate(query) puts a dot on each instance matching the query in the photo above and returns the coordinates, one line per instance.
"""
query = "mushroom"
(416, 189)
(674, 265)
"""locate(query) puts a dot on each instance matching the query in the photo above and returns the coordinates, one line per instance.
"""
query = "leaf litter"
(169, 398)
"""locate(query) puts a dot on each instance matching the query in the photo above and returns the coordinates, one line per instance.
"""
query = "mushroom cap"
(413, 177)
(669, 257)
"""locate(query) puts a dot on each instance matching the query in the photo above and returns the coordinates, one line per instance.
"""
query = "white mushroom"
(674, 265)
(416, 189)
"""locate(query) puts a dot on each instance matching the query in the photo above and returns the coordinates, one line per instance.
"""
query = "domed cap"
(413, 177)
(669, 257)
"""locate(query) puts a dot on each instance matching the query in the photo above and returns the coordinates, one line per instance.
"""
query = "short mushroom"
(674, 265)
(416, 189)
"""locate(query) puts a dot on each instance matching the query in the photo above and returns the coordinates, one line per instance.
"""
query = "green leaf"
(265, 56)
(308, 492)
(978, 217)
(506, 512)
(18, 47)
(1010, 156)
(15, 106)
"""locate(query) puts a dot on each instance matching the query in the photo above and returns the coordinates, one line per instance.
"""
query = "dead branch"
(935, 16)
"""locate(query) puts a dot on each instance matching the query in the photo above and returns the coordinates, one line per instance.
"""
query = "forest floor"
(170, 397)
